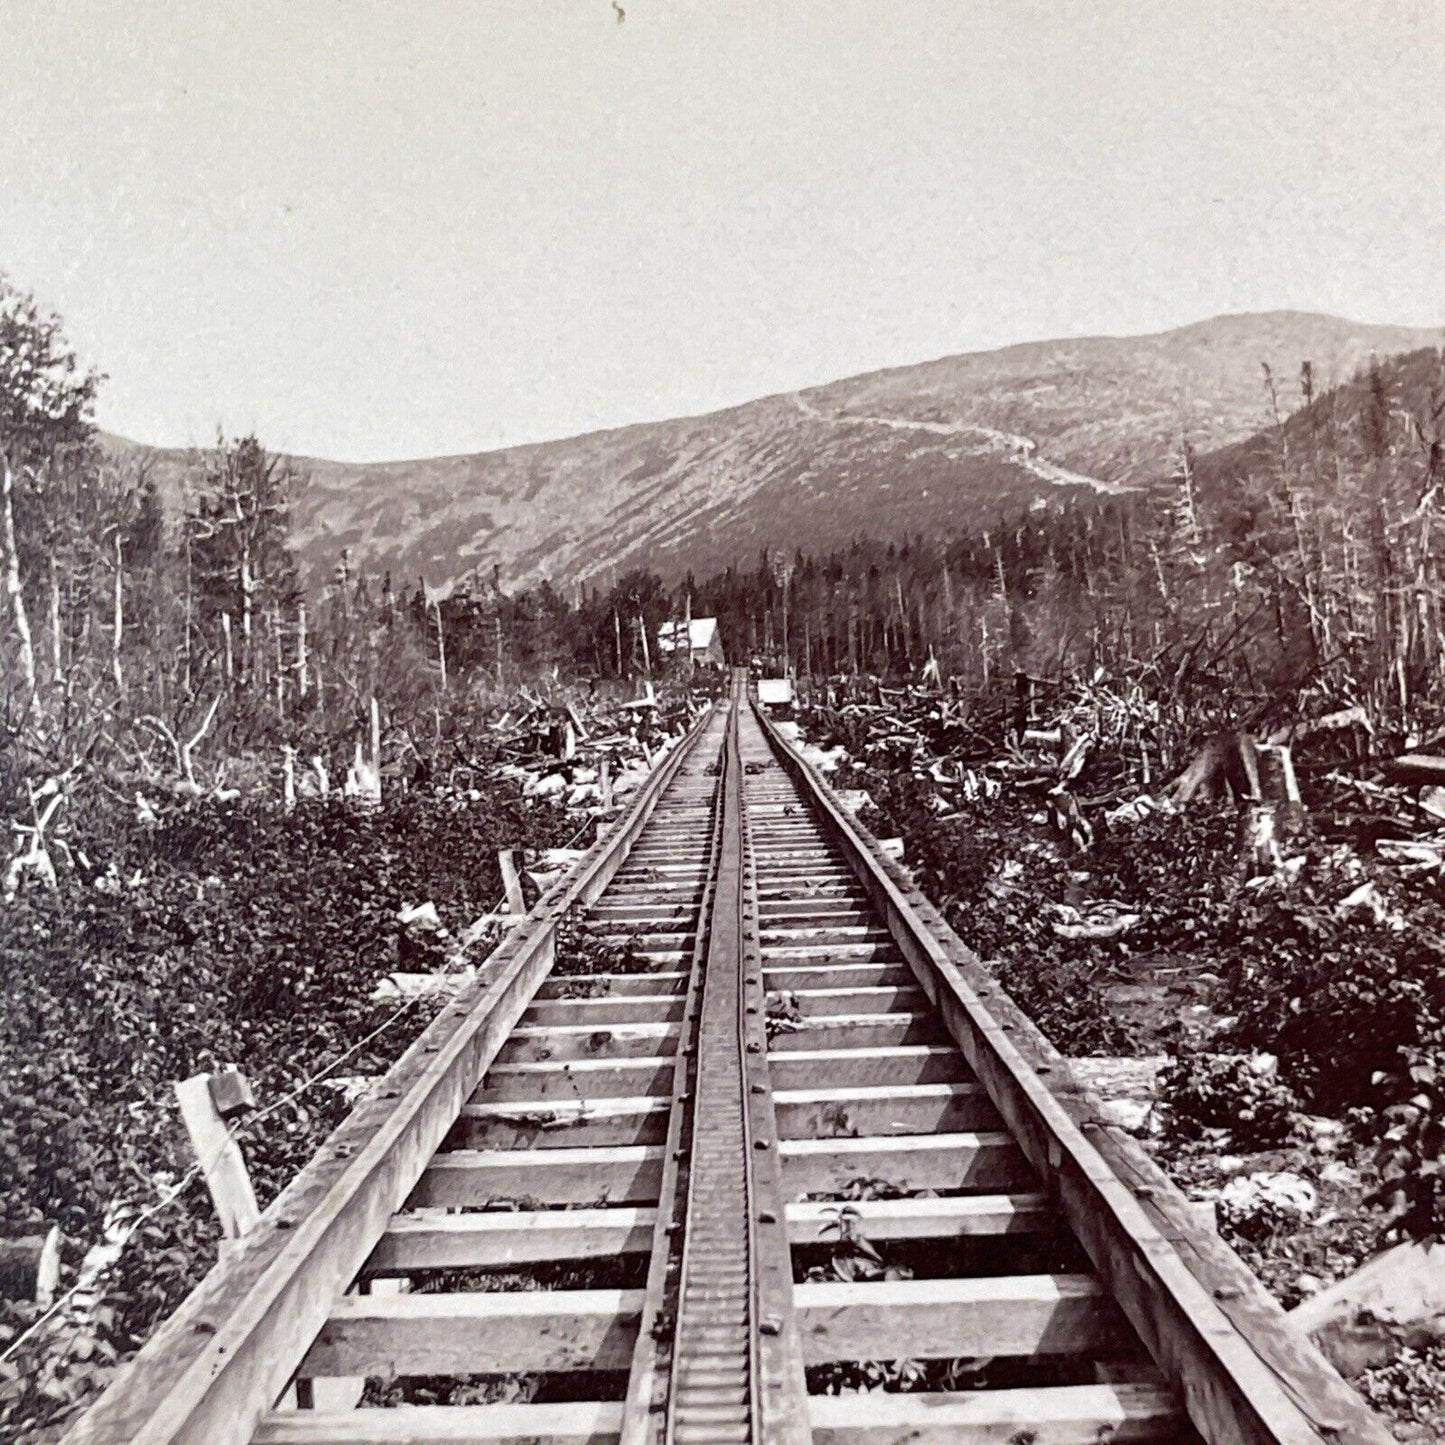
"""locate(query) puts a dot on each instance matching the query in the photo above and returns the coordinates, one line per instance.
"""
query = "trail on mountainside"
(1020, 449)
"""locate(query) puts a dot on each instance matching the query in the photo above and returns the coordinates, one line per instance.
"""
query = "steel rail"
(737, 1372)
(643, 1414)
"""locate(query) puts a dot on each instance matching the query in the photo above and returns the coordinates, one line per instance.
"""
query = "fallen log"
(1395, 1300)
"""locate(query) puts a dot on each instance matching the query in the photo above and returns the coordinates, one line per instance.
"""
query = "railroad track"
(789, 1144)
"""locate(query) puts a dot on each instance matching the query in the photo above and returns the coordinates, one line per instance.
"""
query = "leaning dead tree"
(183, 751)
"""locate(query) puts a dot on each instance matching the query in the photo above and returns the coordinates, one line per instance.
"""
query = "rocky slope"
(948, 444)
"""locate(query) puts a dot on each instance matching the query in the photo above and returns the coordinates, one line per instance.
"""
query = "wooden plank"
(839, 975)
(647, 941)
(883, 1109)
(580, 1041)
(933, 1319)
(595, 1012)
(961, 1217)
(509, 1237)
(506, 1238)
(850, 1033)
(978, 1161)
(564, 1123)
(785, 930)
(1416, 768)
(610, 910)
(211, 1372)
(776, 953)
(30, 1267)
(612, 985)
(818, 1002)
(1240, 1387)
(474, 1333)
(801, 1067)
(854, 909)
(582, 1422)
(549, 1176)
(830, 882)
(1060, 1415)
(511, 880)
(571, 1079)
(219, 1156)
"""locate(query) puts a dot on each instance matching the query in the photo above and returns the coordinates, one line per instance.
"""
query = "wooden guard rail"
(224, 1357)
(1245, 1374)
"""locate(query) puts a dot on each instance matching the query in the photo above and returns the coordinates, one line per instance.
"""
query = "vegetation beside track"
(1303, 1010)
(217, 934)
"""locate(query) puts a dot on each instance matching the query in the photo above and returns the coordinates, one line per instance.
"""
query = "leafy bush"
(1335, 999)
(1410, 1387)
(956, 861)
(222, 934)
(1410, 1148)
(1226, 1091)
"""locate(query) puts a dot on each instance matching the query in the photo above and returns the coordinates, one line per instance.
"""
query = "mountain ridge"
(958, 441)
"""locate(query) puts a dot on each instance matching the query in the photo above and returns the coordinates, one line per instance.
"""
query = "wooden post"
(376, 742)
(511, 881)
(280, 663)
(13, 588)
(118, 620)
(235, 1202)
(30, 1267)
(220, 1158)
(604, 781)
(441, 646)
(1023, 699)
(57, 668)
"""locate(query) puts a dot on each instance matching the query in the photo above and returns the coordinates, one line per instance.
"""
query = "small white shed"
(701, 633)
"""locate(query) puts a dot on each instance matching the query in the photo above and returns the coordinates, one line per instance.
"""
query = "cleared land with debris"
(1254, 983)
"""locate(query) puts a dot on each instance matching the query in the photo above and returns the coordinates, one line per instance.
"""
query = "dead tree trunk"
(13, 588)
(117, 619)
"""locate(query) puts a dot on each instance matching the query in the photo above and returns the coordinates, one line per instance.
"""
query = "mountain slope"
(929, 448)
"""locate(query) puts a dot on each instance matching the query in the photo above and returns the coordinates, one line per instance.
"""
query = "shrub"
(956, 861)
(1225, 1091)
(1335, 1000)
(222, 934)
(1410, 1144)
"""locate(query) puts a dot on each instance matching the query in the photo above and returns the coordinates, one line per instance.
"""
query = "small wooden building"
(700, 633)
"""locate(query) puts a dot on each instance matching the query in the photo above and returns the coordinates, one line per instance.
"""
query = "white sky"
(369, 228)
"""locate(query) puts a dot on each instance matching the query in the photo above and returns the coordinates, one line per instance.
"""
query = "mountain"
(932, 448)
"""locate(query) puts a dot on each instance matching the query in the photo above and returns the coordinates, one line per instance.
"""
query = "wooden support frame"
(1246, 1376)
(211, 1372)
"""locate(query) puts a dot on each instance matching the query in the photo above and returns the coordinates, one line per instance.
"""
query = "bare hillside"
(929, 448)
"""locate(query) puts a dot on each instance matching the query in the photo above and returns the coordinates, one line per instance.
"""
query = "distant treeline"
(1305, 559)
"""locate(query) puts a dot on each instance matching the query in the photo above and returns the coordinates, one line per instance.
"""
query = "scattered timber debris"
(591, 761)
(1100, 757)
